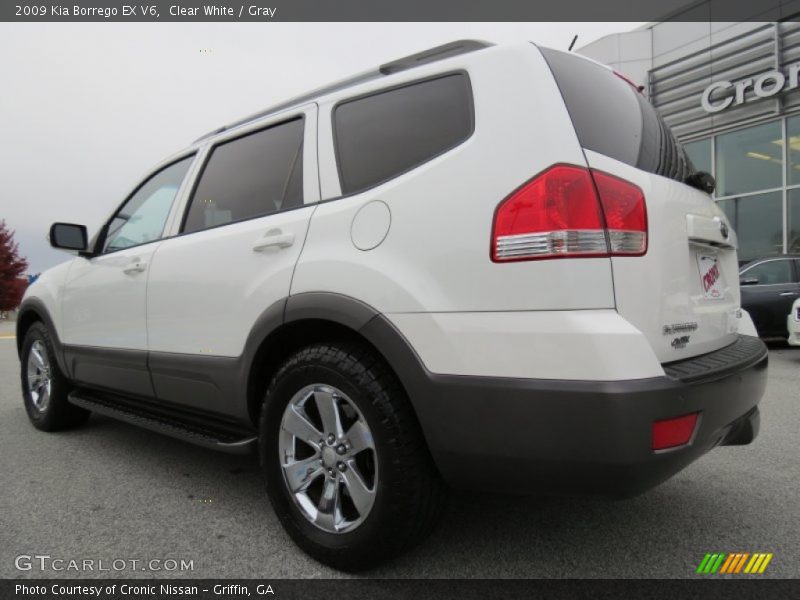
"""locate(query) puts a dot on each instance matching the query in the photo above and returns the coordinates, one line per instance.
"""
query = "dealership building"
(730, 93)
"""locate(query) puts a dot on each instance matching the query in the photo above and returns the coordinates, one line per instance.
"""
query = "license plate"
(710, 276)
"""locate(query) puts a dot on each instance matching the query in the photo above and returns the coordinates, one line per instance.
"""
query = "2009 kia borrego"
(483, 266)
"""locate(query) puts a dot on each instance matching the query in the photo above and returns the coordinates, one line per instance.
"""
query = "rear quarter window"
(384, 134)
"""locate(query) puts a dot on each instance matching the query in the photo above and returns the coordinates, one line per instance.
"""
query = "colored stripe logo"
(734, 563)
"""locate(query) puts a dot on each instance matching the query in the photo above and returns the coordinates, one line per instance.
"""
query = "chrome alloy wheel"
(328, 458)
(40, 379)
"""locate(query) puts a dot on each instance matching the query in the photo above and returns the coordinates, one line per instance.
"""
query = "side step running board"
(201, 436)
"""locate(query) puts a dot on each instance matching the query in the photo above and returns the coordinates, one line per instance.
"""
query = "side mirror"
(68, 236)
(748, 281)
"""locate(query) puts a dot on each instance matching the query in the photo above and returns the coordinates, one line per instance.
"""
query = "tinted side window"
(250, 176)
(385, 134)
(771, 272)
(143, 216)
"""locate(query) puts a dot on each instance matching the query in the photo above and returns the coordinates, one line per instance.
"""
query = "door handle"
(789, 293)
(275, 238)
(135, 266)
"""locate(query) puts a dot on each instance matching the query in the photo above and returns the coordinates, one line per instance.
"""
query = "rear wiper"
(702, 181)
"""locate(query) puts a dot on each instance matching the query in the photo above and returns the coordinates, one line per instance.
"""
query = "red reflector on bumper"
(670, 433)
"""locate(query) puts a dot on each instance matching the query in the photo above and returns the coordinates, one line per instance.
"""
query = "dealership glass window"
(758, 222)
(793, 151)
(793, 224)
(700, 154)
(749, 160)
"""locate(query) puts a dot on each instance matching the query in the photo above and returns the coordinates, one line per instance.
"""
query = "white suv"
(483, 266)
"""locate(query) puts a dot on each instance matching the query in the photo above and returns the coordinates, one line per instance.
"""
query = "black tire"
(58, 414)
(409, 494)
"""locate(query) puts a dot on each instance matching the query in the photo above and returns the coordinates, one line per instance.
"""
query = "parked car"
(793, 324)
(478, 267)
(769, 287)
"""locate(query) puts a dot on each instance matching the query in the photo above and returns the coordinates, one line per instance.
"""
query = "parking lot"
(111, 492)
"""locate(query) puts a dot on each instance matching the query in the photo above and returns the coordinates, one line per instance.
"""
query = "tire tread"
(419, 493)
(60, 414)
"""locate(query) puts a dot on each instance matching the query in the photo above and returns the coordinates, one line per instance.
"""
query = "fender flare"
(378, 331)
(338, 308)
(37, 307)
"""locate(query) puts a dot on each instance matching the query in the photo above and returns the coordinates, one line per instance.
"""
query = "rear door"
(233, 255)
(769, 288)
(683, 293)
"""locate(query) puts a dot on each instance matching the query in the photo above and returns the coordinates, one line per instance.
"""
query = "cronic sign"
(727, 93)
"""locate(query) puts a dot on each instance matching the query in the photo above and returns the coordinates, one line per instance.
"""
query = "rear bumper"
(553, 436)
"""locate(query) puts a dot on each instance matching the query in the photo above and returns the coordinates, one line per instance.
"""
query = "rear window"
(385, 134)
(611, 118)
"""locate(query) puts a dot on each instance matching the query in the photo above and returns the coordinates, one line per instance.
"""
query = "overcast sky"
(87, 108)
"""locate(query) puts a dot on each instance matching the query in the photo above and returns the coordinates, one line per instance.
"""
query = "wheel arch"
(280, 344)
(33, 310)
(313, 317)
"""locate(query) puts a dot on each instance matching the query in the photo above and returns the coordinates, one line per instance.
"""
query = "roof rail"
(432, 55)
(409, 62)
(345, 83)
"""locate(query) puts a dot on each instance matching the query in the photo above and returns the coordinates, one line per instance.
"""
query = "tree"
(12, 266)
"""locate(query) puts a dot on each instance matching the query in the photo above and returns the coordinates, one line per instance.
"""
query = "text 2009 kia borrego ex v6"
(480, 266)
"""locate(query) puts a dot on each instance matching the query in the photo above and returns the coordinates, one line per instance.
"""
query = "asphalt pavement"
(112, 492)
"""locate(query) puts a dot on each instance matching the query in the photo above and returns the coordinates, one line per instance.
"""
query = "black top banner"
(397, 10)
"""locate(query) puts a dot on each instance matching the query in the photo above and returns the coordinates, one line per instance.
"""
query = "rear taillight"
(568, 212)
(625, 214)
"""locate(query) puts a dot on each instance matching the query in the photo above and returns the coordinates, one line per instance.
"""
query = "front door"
(104, 301)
